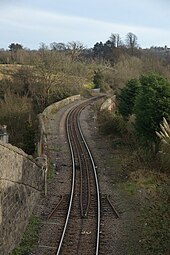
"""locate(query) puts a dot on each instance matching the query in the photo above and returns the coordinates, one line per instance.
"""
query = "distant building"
(4, 137)
(158, 51)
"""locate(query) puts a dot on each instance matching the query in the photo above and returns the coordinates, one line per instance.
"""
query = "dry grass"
(7, 70)
(138, 176)
(164, 136)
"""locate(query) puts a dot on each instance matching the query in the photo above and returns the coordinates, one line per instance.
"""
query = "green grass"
(55, 148)
(54, 110)
(29, 239)
(131, 188)
(136, 174)
(155, 218)
(154, 210)
(50, 173)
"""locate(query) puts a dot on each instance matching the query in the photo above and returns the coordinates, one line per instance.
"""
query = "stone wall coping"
(19, 152)
(60, 104)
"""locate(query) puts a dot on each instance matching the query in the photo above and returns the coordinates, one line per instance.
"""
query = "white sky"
(30, 22)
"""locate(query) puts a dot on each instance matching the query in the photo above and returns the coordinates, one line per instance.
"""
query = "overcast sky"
(30, 22)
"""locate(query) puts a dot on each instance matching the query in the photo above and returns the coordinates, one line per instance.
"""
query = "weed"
(136, 173)
(131, 188)
(50, 173)
(29, 239)
(155, 219)
(110, 123)
(164, 136)
(54, 110)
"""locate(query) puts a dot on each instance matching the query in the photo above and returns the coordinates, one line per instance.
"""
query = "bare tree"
(116, 40)
(58, 46)
(75, 48)
(131, 41)
(43, 47)
(45, 77)
(14, 49)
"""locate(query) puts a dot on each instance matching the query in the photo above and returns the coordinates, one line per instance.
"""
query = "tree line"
(103, 51)
(30, 80)
(148, 99)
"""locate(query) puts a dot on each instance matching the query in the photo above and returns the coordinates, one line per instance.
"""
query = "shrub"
(30, 237)
(29, 138)
(14, 112)
(156, 230)
(151, 105)
(97, 79)
(127, 96)
(109, 123)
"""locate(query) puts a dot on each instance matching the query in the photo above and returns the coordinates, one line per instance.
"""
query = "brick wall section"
(21, 180)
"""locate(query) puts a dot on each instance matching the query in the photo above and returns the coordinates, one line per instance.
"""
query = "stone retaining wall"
(21, 180)
(58, 105)
(43, 118)
(109, 104)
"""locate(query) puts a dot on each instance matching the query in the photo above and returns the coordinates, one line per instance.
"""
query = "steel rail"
(80, 151)
(97, 186)
(85, 211)
(78, 148)
(73, 178)
(72, 186)
(56, 207)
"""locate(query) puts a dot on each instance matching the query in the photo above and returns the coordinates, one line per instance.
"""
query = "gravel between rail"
(117, 234)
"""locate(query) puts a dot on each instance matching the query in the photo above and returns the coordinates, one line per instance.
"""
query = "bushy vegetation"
(141, 131)
(25, 90)
(152, 104)
(155, 220)
(112, 124)
(97, 79)
(145, 179)
(149, 100)
(30, 80)
(15, 112)
(29, 239)
(51, 73)
(164, 136)
(127, 97)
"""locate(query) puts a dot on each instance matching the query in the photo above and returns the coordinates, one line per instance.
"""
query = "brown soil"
(119, 235)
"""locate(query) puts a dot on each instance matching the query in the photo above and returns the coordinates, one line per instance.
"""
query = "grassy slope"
(147, 191)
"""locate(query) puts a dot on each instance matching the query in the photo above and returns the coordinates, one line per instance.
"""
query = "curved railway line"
(76, 222)
(82, 236)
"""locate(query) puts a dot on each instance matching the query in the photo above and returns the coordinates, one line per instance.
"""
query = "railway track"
(82, 226)
(76, 223)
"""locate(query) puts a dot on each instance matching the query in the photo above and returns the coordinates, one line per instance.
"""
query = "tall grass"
(164, 136)
(111, 124)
